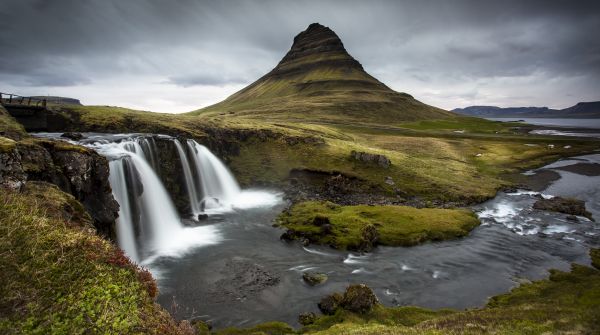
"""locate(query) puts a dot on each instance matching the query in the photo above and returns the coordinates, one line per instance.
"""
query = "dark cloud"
(428, 48)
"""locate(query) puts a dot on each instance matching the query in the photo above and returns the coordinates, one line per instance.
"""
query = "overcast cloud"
(175, 56)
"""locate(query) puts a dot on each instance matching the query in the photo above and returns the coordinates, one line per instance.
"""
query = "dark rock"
(326, 229)
(320, 220)
(76, 170)
(572, 218)
(329, 304)
(369, 238)
(12, 175)
(380, 160)
(72, 135)
(202, 217)
(288, 236)
(570, 206)
(241, 278)
(359, 299)
(314, 278)
(306, 319)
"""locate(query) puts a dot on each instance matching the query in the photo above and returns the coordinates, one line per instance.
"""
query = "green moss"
(9, 127)
(595, 256)
(396, 225)
(268, 328)
(58, 277)
(6, 144)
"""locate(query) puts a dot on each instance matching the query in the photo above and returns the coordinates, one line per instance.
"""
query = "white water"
(160, 231)
(125, 232)
(219, 188)
(190, 183)
(148, 226)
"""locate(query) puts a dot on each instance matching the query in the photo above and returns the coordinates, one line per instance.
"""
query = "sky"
(178, 56)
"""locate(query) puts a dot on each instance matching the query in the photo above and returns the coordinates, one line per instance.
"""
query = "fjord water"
(233, 270)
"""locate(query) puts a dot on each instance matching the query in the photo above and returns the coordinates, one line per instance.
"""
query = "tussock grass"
(58, 277)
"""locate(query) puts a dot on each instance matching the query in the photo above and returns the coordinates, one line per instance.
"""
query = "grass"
(429, 159)
(58, 277)
(396, 225)
(9, 127)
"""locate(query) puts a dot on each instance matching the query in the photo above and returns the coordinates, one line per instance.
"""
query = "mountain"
(318, 80)
(582, 110)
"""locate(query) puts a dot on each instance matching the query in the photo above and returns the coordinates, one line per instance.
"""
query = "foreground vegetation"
(361, 227)
(58, 277)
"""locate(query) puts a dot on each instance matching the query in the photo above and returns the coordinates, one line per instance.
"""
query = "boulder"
(377, 159)
(72, 136)
(306, 319)
(314, 278)
(569, 206)
(359, 299)
(329, 304)
(369, 238)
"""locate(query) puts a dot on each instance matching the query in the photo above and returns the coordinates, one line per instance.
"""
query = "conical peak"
(316, 34)
(317, 43)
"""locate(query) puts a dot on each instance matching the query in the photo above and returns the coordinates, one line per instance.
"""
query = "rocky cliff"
(74, 169)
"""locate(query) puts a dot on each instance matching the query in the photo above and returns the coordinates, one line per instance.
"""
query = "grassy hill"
(318, 80)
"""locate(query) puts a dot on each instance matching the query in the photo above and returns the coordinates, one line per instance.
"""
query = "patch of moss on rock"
(362, 227)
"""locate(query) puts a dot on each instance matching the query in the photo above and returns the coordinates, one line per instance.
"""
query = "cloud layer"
(181, 55)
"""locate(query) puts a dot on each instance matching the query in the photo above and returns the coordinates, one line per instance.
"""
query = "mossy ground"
(58, 277)
(430, 159)
(397, 225)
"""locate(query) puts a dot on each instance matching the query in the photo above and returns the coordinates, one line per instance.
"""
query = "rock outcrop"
(358, 299)
(376, 159)
(74, 169)
(569, 206)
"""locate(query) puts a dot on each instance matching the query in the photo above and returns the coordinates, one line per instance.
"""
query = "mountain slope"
(318, 80)
(581, 110)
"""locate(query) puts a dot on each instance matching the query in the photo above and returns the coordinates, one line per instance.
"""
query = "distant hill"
(59, 100)
(318, 80)
(583, 110)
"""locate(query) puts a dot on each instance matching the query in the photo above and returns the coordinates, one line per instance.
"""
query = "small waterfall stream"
(219, 187)
(190, 182)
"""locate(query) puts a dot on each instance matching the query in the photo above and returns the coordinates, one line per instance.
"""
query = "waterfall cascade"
(148, 222)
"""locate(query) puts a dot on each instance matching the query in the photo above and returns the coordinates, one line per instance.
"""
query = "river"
(241, 273)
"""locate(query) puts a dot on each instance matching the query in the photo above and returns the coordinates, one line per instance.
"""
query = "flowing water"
(234, 271)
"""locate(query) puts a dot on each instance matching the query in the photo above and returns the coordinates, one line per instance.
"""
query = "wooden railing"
(13, 99)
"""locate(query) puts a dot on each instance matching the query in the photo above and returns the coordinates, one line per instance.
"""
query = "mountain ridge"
(318, 80)
(579, 110)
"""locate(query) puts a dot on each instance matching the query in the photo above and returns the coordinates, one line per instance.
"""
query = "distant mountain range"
(583, 110)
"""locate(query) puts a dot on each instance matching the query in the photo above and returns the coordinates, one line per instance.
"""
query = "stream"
(233, 270)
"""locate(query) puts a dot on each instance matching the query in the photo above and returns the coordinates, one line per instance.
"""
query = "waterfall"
(125, 230)
(157, 210)
(149, 225)
(190, 183)
(217, 184)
